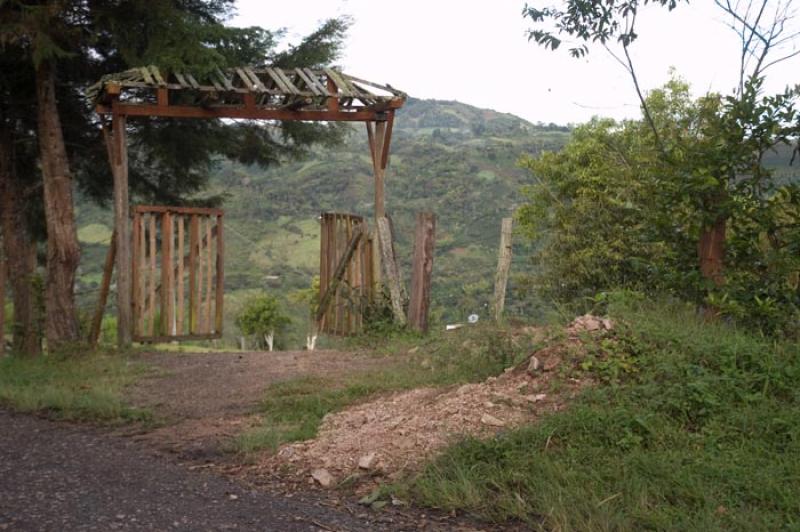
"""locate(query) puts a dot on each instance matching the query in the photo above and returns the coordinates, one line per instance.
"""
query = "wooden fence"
(178, 273)
(347, 273)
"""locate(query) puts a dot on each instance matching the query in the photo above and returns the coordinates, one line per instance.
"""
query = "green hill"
(447, 157)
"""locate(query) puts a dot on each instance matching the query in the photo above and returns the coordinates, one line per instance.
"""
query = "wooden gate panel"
(353, 291)
(178, 273)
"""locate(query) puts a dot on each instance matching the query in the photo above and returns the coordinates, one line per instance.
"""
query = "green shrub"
(703, 435)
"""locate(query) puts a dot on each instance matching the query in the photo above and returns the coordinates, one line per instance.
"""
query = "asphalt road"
(55, 476)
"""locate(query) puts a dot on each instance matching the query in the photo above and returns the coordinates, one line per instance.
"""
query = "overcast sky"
(476, 52)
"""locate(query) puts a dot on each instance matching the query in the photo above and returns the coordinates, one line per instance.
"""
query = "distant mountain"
(447, 157)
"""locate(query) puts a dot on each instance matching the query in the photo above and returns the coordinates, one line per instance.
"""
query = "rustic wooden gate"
(178, 273)
(347, 273)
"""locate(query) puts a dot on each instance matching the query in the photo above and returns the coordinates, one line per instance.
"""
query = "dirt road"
(55, 476)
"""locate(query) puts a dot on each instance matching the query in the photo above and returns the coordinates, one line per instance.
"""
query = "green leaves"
(261, 316)
(610, 211)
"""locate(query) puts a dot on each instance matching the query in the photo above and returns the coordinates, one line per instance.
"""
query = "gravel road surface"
(60, 477)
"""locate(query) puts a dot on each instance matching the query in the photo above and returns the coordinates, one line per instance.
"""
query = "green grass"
(82, 387)
(696, 427)
(293, 410)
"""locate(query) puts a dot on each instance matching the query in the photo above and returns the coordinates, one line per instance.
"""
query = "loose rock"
(322, 476)
(488, 419)
(367, 461)
(534, 364)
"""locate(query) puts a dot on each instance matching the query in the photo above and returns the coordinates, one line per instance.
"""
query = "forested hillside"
(450, 158)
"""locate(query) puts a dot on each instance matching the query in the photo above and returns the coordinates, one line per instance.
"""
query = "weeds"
(697, 427)
(75, 387)
(293, 410)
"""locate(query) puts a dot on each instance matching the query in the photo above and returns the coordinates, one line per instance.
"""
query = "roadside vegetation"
(693, 426)
(83, 387)
(293, 410)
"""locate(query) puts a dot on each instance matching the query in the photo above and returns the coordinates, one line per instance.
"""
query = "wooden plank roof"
(245, 92)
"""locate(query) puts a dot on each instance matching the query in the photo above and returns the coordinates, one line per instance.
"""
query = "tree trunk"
(711, 251)
(270, 339)
(63, 253)
(20, 251)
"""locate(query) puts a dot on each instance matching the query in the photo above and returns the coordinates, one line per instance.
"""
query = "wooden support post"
(503, 267)
(339, 272)
(389, 262)
(3, 275)
(108, 268)
(422, 269)
(118, 149)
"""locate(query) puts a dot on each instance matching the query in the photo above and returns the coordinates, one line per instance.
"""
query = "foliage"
(293, 410)
(609, 211)
(588, 21)
(703, 435)
(82, 387)
(261, 317)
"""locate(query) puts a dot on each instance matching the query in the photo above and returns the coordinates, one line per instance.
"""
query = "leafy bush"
(262, 318)
(612, 210)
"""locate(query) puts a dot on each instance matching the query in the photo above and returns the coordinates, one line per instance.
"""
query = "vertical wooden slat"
(323, 261)
(341, 240)
(153, 276)
(356, 306)
(220, 277)
(209, 272)
(194, 301)
(141, 258)
(166, 273)
(180, 278)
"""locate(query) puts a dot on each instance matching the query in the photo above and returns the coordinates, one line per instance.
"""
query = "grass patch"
(84, 387)
(696, 427)
(293, 410)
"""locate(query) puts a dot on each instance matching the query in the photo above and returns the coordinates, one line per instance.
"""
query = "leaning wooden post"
(503, 267)
(118, 153)
(422, 269)
(389, 262)
(105, 286)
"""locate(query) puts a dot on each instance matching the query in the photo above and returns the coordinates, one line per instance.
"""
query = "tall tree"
(71, 43)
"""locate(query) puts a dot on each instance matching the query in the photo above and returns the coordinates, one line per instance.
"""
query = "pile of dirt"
(391, 435)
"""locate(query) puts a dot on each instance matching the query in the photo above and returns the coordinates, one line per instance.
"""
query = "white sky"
(476, 52)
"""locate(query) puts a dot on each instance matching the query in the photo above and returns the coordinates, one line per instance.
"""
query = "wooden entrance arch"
(246, 93)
